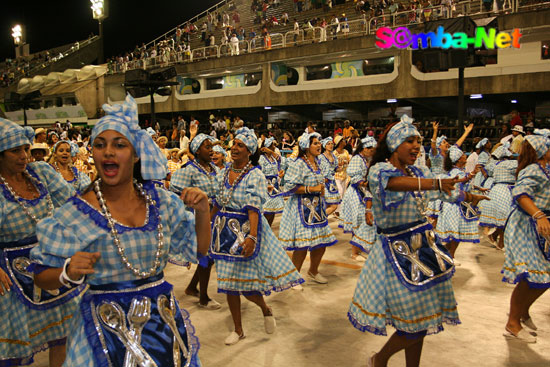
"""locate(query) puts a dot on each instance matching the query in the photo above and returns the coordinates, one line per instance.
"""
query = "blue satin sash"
(432, 256)
(15, 261)
(229, 229)
(311, 208)
(157, 338)
(273, 180)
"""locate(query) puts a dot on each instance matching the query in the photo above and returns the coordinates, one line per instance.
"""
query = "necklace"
(114, 233)
(226, 195)
(207, 169)
(308, 163)
(74, 181)
(238, 170)
(21, 202)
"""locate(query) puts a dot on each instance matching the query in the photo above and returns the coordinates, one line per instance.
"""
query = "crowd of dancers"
(82, 260)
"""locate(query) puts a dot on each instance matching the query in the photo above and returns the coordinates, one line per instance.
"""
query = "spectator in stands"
(323, 25)
(284, 18)
(518, 133)
(204, 28)
(347, 129)
(252, 38)
(296, 30)
(515, 119)
(40, 135)
(234, 44)
(288, 141)
(335, 26)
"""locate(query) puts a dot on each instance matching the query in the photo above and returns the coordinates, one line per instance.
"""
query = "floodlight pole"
(100, 54)
(461, 97)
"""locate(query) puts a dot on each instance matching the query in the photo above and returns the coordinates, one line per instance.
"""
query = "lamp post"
(100, 12)
(17, 34)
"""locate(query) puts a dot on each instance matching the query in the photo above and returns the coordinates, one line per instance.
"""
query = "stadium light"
(476, 96)
(391, 100)
(100, 11)
(17, 34)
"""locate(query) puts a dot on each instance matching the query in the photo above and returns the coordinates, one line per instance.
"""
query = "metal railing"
(168, 34)
(362, 26)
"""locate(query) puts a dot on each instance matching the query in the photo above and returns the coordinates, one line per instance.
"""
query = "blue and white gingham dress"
(435, 206)
(25, 331)
(490, 169)
(272, 269)
(273, 205)
(78, 226)
(354, 206)
(193, 175)
(524, 259)
(495, 212)
(380, 299)
(81, 181)
(329, 169)
(452, 225)
(292, 233)
(483, 160)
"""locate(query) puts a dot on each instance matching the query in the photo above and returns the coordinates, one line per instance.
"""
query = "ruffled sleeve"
(294, 175)
(60, 191)
(530, 181)
(183, 243)
(264, 164)
(379, 176)
(58, 239)
(255, 190)
(356, 170)
(180, 179)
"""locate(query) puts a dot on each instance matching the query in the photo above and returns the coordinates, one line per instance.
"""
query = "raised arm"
(435, 126)
(467, 131)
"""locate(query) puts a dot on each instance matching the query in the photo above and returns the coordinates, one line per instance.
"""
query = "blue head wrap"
(455, 153)
(123, 118)
(72, 145)
(268, 142)
(400, 132)
(539, 143)
(305, 138)
(13, 135)
(248, 137)
(368, 142)
(482, 143)
(197, 142)
(503, 151)
(151, 131)
(219, 149)
(325, 141)
(440, 140)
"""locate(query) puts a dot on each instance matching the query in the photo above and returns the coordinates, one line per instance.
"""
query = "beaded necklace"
(419, 199)
(207, 169)
(308, 163)
(30, 183)
(74, 181)
(226, 195)
(114, 233)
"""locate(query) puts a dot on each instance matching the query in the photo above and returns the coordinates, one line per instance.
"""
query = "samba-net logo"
(402, 37)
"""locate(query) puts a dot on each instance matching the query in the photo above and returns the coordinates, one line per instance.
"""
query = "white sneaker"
(211, 305)
(358, 258)
(318, 278)
(233, 338)
(270, 324)
(297, 287)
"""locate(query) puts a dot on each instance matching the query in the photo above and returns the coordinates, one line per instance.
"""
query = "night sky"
(50, 24)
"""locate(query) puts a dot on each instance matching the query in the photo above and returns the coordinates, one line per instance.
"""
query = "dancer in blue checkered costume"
(33, 320)
(458, 222)
(482, 161)
(63, 152)
(356, 206)
(249, 259)
(329, 166)
(272, 165)
(414, 297)
(438, 151)
(304, 224)
(117, 238)
(495, 212)
(200, 173)
(526, 235)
